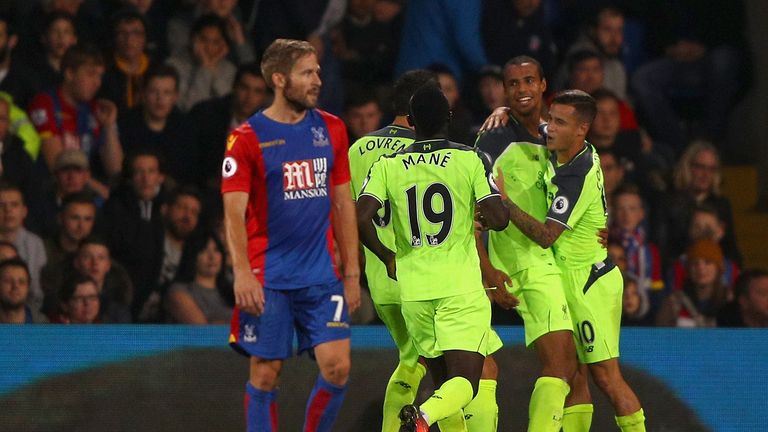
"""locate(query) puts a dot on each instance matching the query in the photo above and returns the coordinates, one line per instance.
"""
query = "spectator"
(442, 31)
(124, 78)
(490, 89)
(604, 35)
(214, 119)
(58, 35)
(703, 294)
(179, 29)
(156, 15)
(70, 118)
(13, 212)
(635, 305)
(71, 175)
(7, 250)
(196, 296)
(16, 165)
(75, 223)
(613, 177)
(460, 127)
(696, 181)
(204, 72)
(365, 46)
(158, 125)
(642, 255)
(14, 294)
(112, 281)
(618, 255)
(362, 114)
(134, 224)
(511, 28)
(15, 78)
(750, 308)
(80, 302)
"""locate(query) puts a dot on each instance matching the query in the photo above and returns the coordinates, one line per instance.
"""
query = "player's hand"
(480, 223)
(498, 281)
(106, 112)
(391, 266)
(352, 292)
(602, 237)
(249, 294)
(498, 118)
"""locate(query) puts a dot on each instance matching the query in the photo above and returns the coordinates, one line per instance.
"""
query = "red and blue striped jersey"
(289, 172)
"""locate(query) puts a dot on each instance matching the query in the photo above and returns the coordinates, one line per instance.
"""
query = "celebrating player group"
(294, 191)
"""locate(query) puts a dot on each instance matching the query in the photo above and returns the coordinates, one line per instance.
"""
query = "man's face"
(628, 208)
(704, 168)
(59, 37)
(492, 92)
(364, 119)
(160, 96)
(183, 216)
(450, 88)
(302, 85)
(83, 307)
(702, 271)
(613, 172)
(84, 81)
(705, 225)
(609, 34)
(587, 75)
(756, 300)
(211, 42)
(130, 39)
(524, 88)
(608, 120)
(565, 129)
(146, 177)
(250, 93)
(77, 220)
(71, 179)
(14, 287)
(93, 260)
(12, 210)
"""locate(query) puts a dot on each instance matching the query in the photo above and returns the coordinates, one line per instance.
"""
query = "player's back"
(432, 187)
(576, 195)
(362, 155)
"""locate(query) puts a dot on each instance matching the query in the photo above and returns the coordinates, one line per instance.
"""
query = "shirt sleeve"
(240, 160)
(566, 207)
(340, 141)
(482, 179)
(375, 185)
(42, 116)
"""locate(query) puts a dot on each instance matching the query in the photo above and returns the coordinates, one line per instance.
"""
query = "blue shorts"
(317, 314)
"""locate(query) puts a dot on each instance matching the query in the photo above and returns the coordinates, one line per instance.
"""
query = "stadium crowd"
(114, 117)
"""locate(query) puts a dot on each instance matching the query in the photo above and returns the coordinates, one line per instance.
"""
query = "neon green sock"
(453, 423)
(482, 413)
(545, 411)
(452, 396)
(634, 422)
(578, 418)
(401, 390)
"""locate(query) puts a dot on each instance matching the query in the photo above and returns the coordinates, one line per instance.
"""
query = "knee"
(605, 380)
(335, 370)
(264, 377)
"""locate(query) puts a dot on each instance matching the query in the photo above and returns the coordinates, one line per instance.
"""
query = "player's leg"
(267, 340)
(322, 325)
(482, 414)
(608, 378)
(577, 415)
(404, 381)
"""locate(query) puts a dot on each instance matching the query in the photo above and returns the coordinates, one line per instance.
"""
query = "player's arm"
(493, 213)
(249, 294)
(367, 206)
(344, 223)
(496, 280)
(544, 234)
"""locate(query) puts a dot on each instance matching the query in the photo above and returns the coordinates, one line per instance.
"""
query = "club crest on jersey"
(228, 167)
(560, 205)
(318, 137)
(305, 179)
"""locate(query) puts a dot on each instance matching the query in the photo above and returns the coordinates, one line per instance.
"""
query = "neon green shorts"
(594, 297)
(543, 306)
(392, 316)
(461, 322)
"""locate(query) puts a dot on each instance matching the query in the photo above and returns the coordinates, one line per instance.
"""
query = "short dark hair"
(15, 262)
(93, 240)
(51, 17)
(582, 56)
(247, 69)
(429, 109)
(77, 198)
(628, 189)
(142, 151)
(745, 279)
(406, 85)
(357, 99)
(184, 190)
(211, 20)
(6, 186)
(68, 288)
(586, 108)
(604, 93)
(608, 10)
(707, 208)
(162, 70)
(81, 54)
(127, 14)
(441, 68)
(522, 59)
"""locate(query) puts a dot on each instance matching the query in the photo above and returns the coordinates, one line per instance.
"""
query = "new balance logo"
(305, 178)
(404, 385)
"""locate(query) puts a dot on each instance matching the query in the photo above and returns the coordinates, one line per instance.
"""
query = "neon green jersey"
(523, 159)
(362, 155)
(432, 187)
(576, 196)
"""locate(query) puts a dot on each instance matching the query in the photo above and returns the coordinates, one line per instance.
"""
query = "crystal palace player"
(285, 183)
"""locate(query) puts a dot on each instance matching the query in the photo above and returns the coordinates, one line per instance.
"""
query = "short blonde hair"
(682, 175)
(281, 55)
